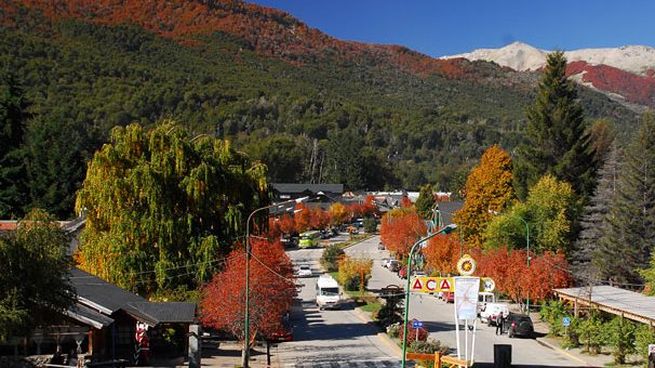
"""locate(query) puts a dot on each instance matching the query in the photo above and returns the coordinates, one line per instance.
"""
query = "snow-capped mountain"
(626, 73)
(521, 56)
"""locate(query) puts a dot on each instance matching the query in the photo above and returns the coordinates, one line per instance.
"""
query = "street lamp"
(246, 342)
(445, 230)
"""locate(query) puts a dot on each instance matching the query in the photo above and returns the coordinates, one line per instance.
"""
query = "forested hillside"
(311, 107)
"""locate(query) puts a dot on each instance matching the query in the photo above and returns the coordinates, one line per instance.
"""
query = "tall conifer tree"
(631, 223)
(425, 201)
(556, 139)
(594, 223)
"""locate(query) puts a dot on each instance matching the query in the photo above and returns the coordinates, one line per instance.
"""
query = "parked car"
(519, 325)
(418, 273)
(402, 272)
(485, 297)
(380, 246)
(448, 297)
(393, 265)
(304, 271)
(492, 312)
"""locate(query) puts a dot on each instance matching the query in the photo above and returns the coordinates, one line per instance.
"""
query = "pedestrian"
(500, 322)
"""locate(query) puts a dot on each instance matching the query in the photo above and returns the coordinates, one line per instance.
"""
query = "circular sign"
(488, 284)
(466, 265)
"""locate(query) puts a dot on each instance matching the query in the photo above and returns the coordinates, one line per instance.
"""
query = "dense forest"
(363, 121)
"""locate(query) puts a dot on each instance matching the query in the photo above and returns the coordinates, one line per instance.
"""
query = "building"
(287, 191)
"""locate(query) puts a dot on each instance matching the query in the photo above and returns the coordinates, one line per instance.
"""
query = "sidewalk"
(228, 355)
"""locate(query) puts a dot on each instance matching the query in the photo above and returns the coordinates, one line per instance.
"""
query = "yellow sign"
(466, 265)
(427, 284)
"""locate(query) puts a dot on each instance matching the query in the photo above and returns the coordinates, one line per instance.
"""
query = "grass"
(354, 239)
(368, 302)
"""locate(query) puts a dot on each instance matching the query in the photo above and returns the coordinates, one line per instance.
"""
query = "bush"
(354, 273)
(331, 256)
(393, 330)
(644, 335)
(370, 225)
(571, 334)
(552, 313)
(388, 314)
(621, 337)
(411, 334)
(591, 333)
(430, 346)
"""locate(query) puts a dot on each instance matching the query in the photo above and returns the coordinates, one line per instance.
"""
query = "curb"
(395, 349)
(358, 242)
(563, 352)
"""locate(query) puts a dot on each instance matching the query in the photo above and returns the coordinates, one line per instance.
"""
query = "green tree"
(556, 140)
(35, 281)
(594, 223)
(13, 116)
(591, 332)
(644, 336)
(331, 256)
(162, 207)
(547, 211)
(344, 159)
(621, 337)
(283, 155)
(488, 191)
(425, 201)
(630, 238)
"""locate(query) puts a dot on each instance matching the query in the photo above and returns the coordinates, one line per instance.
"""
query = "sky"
(441, 27)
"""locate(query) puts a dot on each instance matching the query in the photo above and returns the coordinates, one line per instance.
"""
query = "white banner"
(466, 297)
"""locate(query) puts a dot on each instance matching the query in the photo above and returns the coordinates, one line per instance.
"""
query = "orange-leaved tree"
(400, 228)
(488, 190)
(442, 253)
(338, 213)
(303, 217)
(508, 268)
(271, 291)
(286, 224)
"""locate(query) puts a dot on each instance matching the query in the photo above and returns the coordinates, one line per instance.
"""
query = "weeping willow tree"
(161, 208)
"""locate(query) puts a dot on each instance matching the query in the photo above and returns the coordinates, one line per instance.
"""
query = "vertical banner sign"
(466, 297)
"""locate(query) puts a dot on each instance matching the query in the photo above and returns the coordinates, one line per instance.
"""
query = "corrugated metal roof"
(611, 299)
(88, 316)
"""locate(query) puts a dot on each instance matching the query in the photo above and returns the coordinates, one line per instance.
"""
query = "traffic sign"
(466, 265)
(433, 284)
(566, 321)
(488, 284)
(417, 324)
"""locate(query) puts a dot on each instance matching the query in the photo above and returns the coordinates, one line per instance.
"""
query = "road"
(330, 338)
(438, 318)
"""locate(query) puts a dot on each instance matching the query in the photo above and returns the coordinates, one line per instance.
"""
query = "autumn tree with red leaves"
(508, 268)
(400, 228)
(303, 217)
(442, 253)
(271, 291)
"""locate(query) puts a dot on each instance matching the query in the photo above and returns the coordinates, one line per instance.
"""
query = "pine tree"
(631, 222)
(425, 201)
(556, 140)
(594, 223)
(13, 191)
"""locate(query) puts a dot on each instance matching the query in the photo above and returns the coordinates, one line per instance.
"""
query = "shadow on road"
(490, 365)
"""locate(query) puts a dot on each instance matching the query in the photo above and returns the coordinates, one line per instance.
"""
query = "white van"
(485, 297)
(327, 293)
(492, 311)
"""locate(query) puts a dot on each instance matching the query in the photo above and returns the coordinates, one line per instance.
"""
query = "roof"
(630, 304)
(98, 294)
(88, 316)
(154, 313)
(448, 210)
(302, 188)
(326, 281)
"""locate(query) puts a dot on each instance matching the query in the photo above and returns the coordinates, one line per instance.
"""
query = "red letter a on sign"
(445, 286)
(417, 285)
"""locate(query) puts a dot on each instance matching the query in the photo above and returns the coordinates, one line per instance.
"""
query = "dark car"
(393, 265)
(519, 325)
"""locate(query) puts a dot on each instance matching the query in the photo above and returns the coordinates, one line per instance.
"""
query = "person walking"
(500, 320)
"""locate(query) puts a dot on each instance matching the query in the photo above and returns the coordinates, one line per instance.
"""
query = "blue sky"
(441, 27)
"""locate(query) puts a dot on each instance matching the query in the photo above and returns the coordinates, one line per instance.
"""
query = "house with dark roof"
(287, 191)
(103, 322)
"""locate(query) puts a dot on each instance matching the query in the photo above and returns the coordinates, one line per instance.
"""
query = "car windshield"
(304, 268)
(330, 291)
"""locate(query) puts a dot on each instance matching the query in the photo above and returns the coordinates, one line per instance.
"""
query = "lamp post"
(246, 341)
(527, 256)
(445, 230)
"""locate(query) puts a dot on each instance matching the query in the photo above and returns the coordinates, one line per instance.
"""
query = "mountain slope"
(263, 80)
(626, 73)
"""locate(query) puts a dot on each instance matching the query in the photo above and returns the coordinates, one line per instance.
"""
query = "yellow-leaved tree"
(488, 191)
(162, 207)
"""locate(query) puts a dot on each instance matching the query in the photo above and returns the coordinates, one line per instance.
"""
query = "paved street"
(439, 319)
(330, 338)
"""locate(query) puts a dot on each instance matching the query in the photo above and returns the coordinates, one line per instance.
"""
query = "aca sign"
(433, 284)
